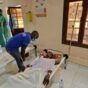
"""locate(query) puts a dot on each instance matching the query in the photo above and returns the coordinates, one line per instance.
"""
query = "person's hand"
(46, 79)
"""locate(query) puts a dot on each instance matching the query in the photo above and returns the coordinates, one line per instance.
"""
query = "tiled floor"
(75, 76)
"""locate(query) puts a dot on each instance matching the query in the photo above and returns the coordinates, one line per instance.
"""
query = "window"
(75, 23)
(16, 20)
(85, 38)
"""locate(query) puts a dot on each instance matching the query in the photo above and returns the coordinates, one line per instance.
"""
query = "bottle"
(61, 84)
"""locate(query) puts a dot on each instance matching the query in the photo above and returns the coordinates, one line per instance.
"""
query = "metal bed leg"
(35, 50)
(65, 62)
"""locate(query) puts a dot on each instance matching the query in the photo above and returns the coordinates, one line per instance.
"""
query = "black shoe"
(22, 70)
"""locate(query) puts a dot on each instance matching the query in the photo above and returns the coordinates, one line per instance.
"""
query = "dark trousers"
(16, 54)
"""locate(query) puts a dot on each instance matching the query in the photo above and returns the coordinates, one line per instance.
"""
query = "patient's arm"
(46, 78)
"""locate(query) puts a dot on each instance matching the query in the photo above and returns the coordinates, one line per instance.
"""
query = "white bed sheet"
(31, 77)
(44, 64)
(28, 79)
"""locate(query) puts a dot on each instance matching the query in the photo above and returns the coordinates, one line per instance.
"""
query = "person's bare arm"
(23, 52)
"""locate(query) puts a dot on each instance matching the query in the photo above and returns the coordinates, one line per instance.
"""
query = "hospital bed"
(33, 77)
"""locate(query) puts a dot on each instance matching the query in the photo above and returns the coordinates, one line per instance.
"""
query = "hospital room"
(43, 43)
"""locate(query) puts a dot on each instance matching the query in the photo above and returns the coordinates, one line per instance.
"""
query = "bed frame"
(59, 67)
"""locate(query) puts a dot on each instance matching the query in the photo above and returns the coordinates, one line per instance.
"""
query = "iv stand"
(69, 51)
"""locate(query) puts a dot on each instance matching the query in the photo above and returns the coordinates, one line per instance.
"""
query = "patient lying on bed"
(46, 61)
(57, 58)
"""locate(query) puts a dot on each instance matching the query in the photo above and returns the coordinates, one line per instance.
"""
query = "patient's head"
(48, 54)
(45, 50)
(44, 53)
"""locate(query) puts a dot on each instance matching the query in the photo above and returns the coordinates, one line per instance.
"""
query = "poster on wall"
(40, 8)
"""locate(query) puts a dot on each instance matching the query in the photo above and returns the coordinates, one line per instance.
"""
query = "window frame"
(78, 43)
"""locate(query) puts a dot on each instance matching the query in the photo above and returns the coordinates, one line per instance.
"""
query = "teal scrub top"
(3, 31)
